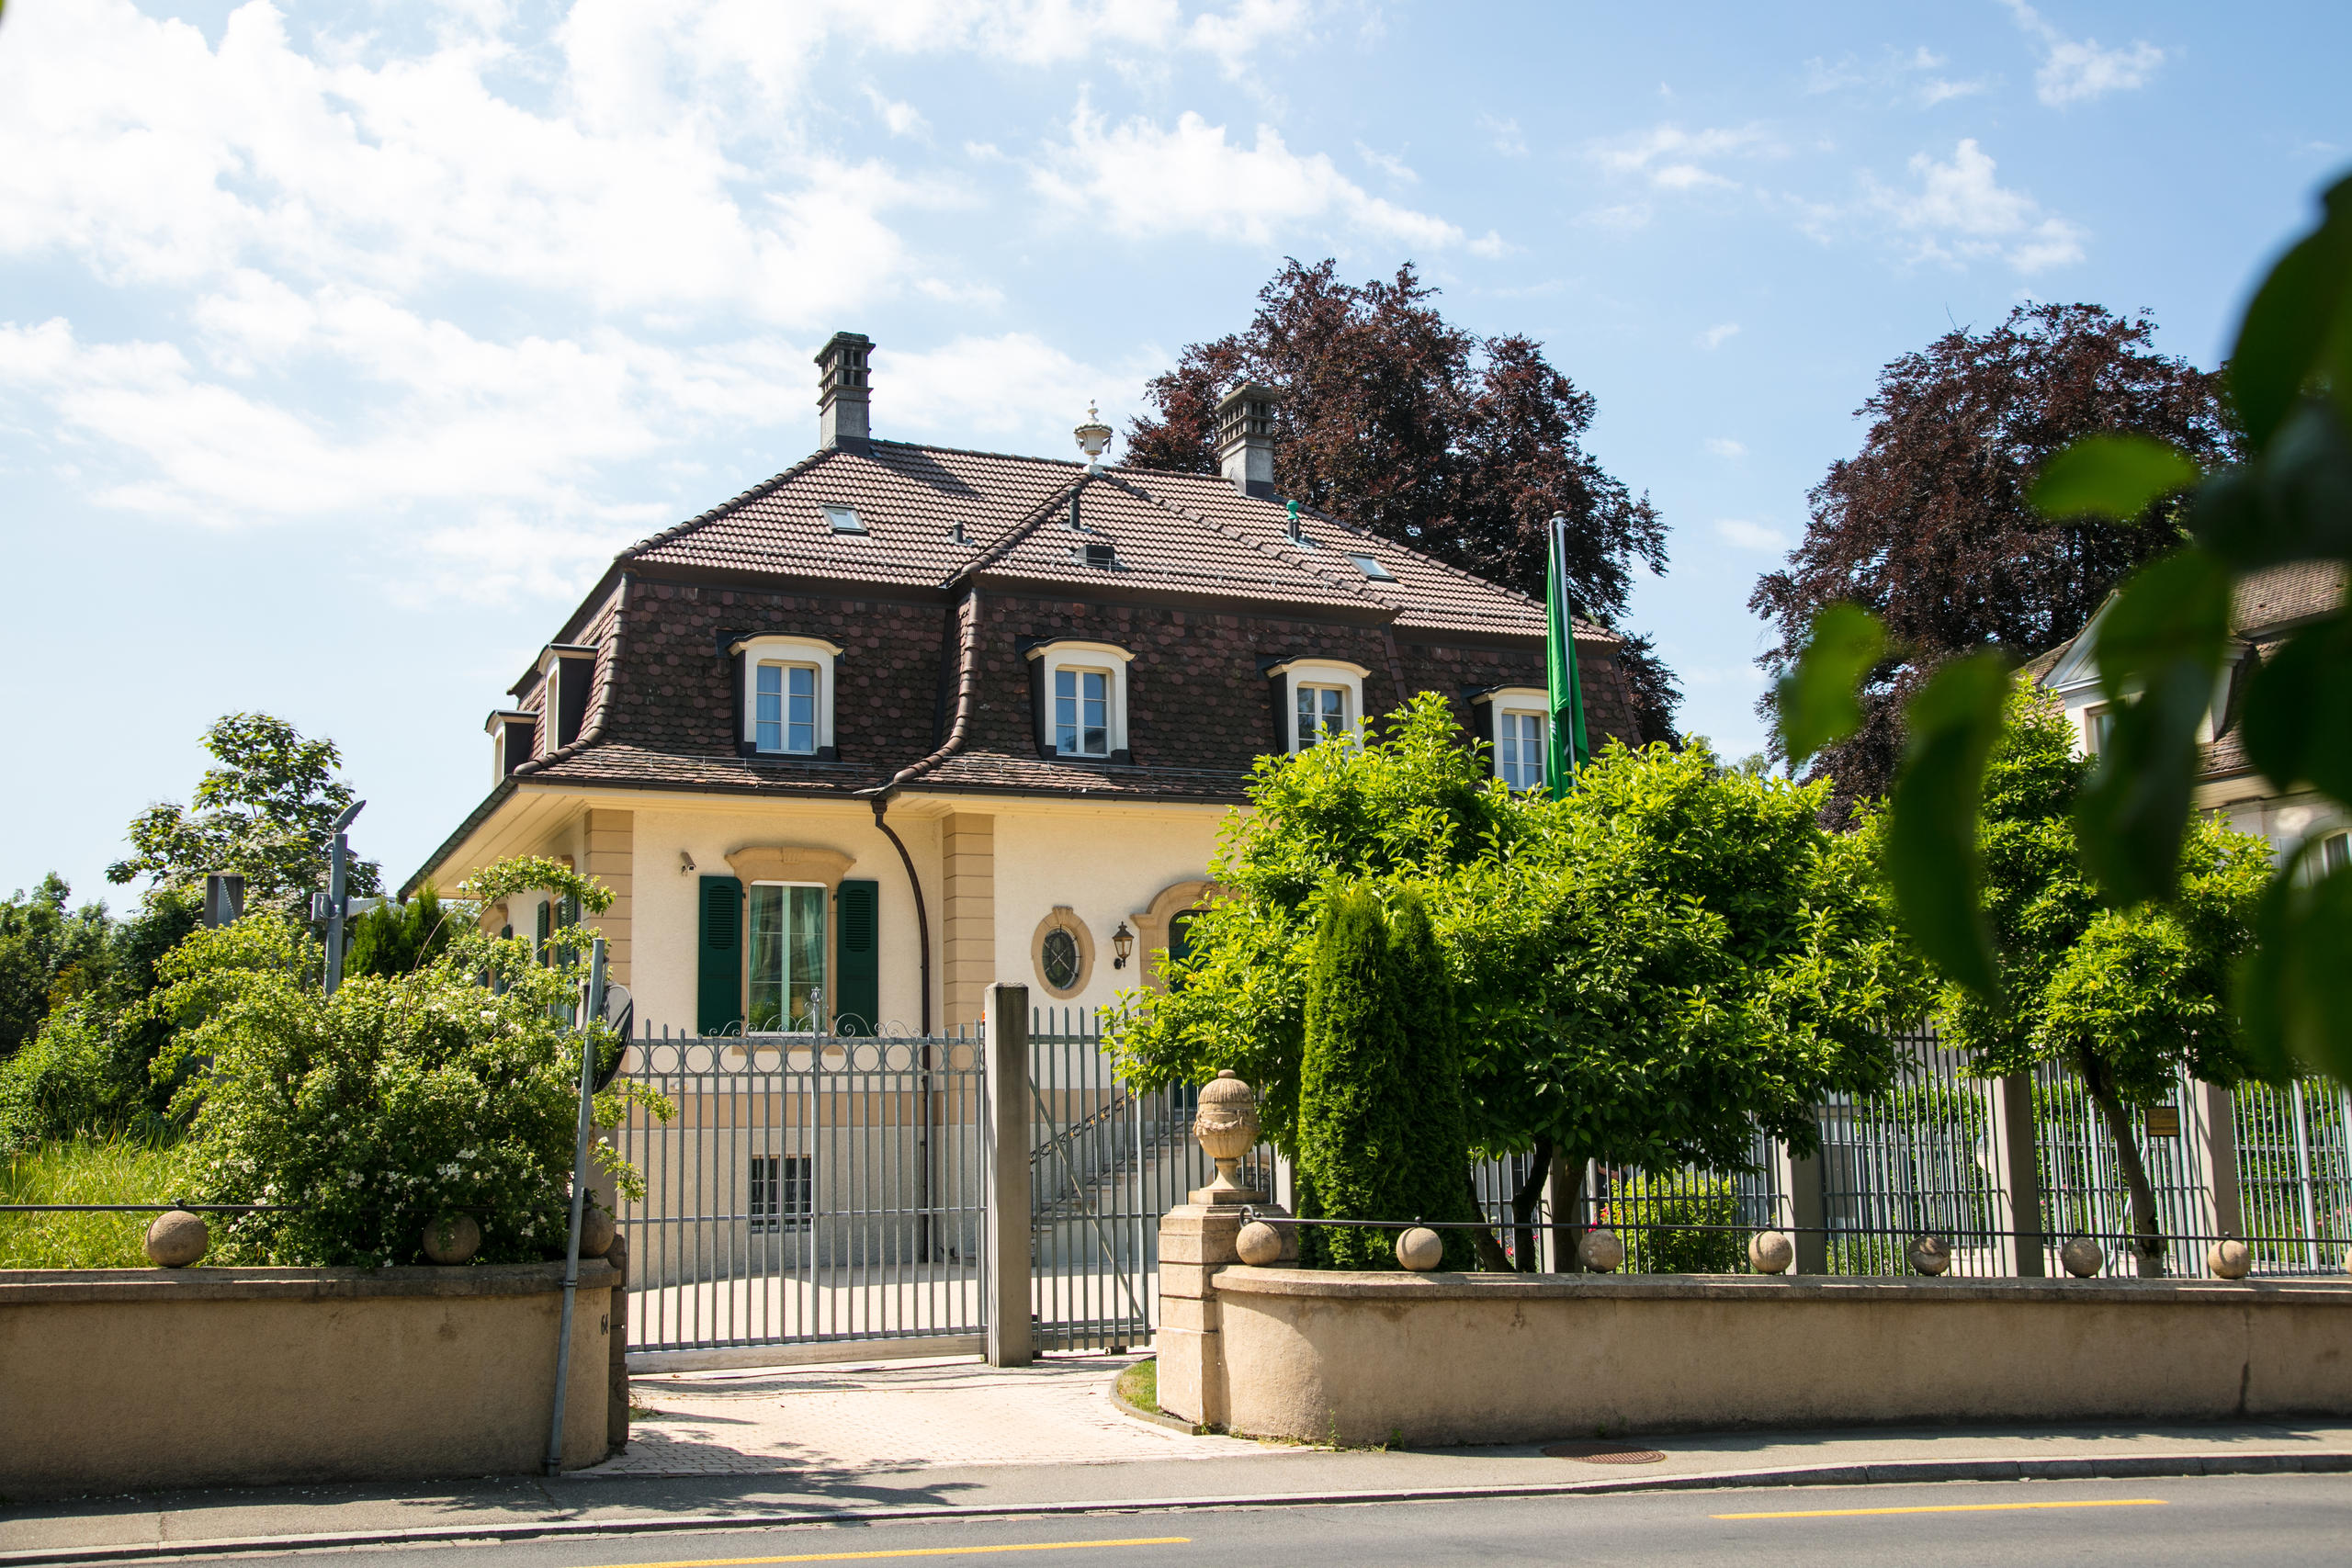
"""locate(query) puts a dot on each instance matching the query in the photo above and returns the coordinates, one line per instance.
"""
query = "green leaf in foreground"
(2295, 986)
(2117, 476)
(1818, 699)
(2291, 319)
(2298, 721)
(2159, 649)
(1932, 855)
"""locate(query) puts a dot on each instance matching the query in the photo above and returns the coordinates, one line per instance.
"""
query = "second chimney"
(841, 389)
(1245, 437)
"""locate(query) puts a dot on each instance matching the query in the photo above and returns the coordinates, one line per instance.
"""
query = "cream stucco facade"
(991, 870)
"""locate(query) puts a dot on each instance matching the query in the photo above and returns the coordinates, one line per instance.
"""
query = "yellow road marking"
(1939, 1508)
(909, 1552)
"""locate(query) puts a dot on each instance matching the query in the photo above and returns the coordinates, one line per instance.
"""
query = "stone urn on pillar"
(1226, 1127)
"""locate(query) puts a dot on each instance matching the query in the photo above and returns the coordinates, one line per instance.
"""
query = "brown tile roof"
(1179, 533)
(2279, 596)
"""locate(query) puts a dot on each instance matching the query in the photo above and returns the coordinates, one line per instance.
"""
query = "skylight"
(1372, 569)
(843, 519)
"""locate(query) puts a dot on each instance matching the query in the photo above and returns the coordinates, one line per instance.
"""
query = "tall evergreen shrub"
(1437, 1120)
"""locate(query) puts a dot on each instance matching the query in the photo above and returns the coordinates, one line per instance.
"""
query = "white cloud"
(1724, 447)
(1504, 135)
(1750, 535)
(1007, 385)
(1716, 336)
(1492, 247)
(1388, 163)
(1620, 219)
(1143, 181)
(1238, 36)
(903, 120)
(1671, 158)
(1960, 212)
(1897, 76)
(2075, 71)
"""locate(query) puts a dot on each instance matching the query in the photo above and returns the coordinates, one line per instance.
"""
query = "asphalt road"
(2282, 1519)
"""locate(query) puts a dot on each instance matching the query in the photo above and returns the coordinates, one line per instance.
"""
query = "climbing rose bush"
(450, 1089)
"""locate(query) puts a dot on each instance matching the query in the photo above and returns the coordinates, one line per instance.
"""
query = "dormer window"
(566, 674)
(1517, 722)
(1318, 700)
(787, 685)
(1081, 693)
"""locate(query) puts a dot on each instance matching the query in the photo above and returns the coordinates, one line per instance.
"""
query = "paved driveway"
(905, 1416)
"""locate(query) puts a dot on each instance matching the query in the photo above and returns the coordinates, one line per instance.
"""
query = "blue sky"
(340, 345)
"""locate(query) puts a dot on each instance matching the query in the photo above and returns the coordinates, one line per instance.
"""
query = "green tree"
(1651, 970)
(2125, 997)
(48, 953)
(392, 939)
(1354, 1137)
(265, 812)
(1437, 1151)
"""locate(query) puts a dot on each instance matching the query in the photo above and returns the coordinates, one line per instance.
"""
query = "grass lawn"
(83, 1172)
(1139, 1386)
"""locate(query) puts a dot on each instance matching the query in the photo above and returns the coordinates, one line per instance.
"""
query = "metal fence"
(1106, 1161)
(807, 1188)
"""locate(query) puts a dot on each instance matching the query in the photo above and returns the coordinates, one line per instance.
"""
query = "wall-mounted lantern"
(1123, 942)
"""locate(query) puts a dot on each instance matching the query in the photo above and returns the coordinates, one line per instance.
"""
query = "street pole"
(339, 865)
(579, 1192)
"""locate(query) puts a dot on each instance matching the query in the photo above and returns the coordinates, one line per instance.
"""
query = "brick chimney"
(842, 389)
(1245, 437)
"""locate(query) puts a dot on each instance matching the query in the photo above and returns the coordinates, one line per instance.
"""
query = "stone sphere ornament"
(1226, 1127)
(1930, 1255)
(452, 1239)
(1601, 1251)
(2083, 1257)
(178, 1238)
(1770, 1252)
(597, 1228)
(1421, 1250)
(1259, 1245)
(2229, 1260)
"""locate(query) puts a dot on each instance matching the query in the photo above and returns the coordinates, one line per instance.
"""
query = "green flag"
(1565, 749)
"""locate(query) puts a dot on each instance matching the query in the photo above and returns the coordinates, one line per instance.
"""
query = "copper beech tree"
(1461, 446)
(1930, 527)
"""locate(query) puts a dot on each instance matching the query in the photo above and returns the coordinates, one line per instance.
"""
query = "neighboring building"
(2268, 606)
(904, 720)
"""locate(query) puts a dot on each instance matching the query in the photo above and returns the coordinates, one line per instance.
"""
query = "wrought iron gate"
(809, 1189)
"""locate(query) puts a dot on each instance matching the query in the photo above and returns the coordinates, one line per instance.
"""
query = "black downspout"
(914, 885)
(923, 1110)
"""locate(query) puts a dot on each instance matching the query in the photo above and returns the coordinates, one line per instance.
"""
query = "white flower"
(448, 1171)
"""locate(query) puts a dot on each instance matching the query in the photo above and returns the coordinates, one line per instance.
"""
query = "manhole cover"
(1603, 1453)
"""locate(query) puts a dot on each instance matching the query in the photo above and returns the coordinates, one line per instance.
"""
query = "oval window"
(1060, 960)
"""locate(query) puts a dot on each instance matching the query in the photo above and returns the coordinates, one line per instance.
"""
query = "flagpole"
(1566, 746)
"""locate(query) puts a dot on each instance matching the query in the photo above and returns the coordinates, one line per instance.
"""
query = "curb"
(1889, 1472)
(1119, 1402)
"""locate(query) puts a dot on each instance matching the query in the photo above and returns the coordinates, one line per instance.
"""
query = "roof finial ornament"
(1094, 438)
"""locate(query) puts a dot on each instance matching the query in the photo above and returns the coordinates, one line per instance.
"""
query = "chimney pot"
(1245, 437)
(844, 372)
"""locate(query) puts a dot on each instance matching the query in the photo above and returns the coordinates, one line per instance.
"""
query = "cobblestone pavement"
(835, 1421)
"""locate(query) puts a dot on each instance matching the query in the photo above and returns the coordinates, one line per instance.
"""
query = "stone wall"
(1492, 1358)
(141, 1379)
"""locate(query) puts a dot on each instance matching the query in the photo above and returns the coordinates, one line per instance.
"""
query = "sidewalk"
(832, 1442)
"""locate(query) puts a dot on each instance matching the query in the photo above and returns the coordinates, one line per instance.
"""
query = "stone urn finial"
(1227, 1126)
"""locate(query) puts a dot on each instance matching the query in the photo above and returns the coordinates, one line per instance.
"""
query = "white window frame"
(821, 1011)
(1509, 700)
(1101, 658)
(807, 651)
(1297, 672)
(550, 702)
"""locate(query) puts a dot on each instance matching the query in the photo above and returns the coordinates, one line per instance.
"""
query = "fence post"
(1808, 1210)
(1010, 1341)
(2217, 1130)
(2020, 1175)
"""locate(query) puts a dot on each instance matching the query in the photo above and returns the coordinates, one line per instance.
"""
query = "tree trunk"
(1522, 1209)
(2147, 1242)
(1491, 1254)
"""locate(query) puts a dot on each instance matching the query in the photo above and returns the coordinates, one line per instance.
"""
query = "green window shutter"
(539, 942)
(718, 963)
(857, 1006)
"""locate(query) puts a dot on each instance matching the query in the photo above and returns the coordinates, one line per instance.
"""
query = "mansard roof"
(936, 517)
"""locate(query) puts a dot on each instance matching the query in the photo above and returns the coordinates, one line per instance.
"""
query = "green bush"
(1647, 1200)
(394, 938)
(1437, 1176)
(1353, 1131)
(396, 1102)
(72, 1080)
(120, 1170)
